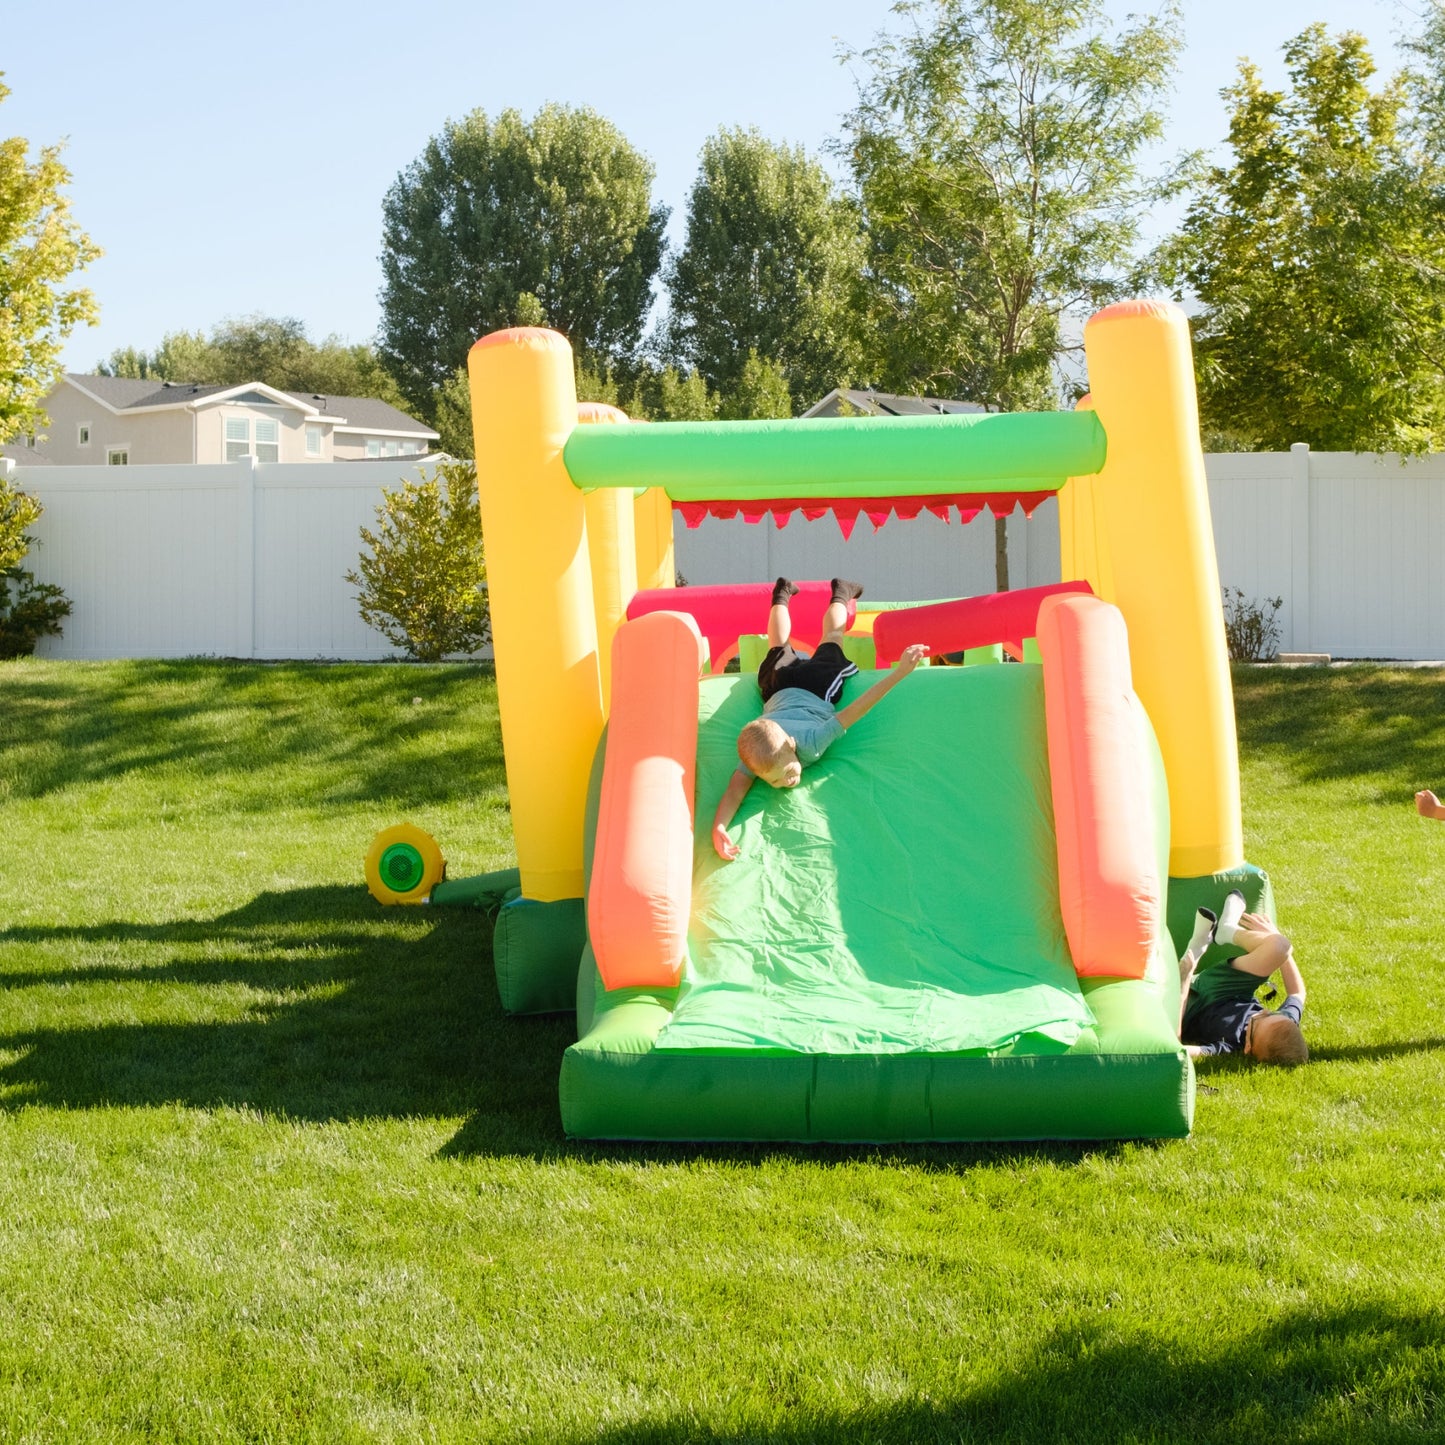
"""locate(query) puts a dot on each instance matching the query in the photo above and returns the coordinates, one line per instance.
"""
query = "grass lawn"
(273, 1166)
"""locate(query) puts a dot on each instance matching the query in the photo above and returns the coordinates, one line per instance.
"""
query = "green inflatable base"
(535, 948)
(1187, 895)
(888, 1098)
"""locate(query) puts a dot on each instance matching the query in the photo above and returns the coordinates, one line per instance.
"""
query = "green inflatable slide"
(887, 959)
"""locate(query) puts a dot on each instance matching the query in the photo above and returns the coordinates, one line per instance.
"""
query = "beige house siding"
(161, 437)
(195, 432)
(351, 446)
(211, 434)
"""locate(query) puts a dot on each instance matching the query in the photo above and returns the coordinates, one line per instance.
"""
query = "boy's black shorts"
(821, 674)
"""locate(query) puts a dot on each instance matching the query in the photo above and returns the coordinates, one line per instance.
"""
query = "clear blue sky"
(233, 160)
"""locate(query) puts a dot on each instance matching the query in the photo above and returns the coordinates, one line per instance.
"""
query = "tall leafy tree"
(769, 268)
(272, 349)
(997, 150)
(1317, 256)
(558, 208)
(41, 248)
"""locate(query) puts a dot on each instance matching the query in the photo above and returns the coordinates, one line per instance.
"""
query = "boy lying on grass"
(799, 694)
(1218, 1012)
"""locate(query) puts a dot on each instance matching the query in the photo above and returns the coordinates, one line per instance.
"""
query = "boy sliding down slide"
(1218, 1012)
(799, 694)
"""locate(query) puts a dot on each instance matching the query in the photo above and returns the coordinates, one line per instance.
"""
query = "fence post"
(247, 558)
(1301, 513)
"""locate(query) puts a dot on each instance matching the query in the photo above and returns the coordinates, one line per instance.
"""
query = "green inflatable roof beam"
(836, 457)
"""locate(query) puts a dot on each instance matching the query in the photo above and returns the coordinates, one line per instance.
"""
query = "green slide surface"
(902, 898)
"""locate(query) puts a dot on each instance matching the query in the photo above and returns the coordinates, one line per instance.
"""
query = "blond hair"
(761, 744)
(1278, 1040)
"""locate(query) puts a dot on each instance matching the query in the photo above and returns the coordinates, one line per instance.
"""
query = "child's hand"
(913, 654)
(1427, 805)
(1256, 923)
(724, 846)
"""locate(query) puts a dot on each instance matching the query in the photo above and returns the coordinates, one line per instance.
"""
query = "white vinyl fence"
(248, 560)
(236, 560)
(1352, 543)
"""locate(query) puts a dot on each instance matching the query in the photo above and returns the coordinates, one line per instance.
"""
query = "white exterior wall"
(249, 561)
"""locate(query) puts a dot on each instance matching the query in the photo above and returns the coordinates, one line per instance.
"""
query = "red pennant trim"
(781, 518)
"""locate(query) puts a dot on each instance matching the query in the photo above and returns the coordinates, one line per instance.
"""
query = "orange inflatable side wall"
(641, 890)
(1110, 891)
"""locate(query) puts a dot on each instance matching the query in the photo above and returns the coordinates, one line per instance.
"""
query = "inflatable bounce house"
(958, 926)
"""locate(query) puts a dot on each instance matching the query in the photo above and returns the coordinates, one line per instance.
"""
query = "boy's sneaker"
(1229, 917)
(844, 591)
(783, 589)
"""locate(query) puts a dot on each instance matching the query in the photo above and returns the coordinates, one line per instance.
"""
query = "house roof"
(883, 403)
(362, 413)
(353, 413)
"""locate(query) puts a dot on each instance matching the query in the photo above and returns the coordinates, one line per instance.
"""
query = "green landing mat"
(902, 899)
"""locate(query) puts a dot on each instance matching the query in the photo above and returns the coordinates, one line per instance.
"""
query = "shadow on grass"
(1371, 1373)
(229, 723)
(477, 1139)
(1340, 723)
(358, 1013)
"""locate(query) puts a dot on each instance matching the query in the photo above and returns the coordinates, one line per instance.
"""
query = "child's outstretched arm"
(728, 804)
(912, 656)
(1428, 805)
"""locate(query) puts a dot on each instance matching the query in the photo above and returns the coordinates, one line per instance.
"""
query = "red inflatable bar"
(725, 613)
(1006, 617)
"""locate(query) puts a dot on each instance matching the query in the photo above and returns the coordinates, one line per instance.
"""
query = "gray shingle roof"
(364, 411)
(883, 403)
(128, 394)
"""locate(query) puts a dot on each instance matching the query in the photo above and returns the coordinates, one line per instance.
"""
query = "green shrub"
(423, 585)
(29, 610)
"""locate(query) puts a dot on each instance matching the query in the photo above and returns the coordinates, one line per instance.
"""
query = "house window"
(313, 441)
(117, 456)
(238, 438)
(410, 449)
(268, 440)
(82, 434)
(373, 446)
(392, 449)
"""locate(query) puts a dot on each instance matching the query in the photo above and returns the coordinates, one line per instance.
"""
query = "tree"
(423, 586)
(558, 208)
(759, 393)
(40, 249)
(270, 349)
(1317, 257)
(996, 148)
(770, 269)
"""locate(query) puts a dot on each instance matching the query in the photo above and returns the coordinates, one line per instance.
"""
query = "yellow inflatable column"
(1152, 510)
(656, 566)
(1083, 552)
(544, 634)
(612, 547)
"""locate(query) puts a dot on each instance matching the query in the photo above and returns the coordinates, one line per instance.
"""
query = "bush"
(423, 586)
(1251, 627)
(29, 610)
